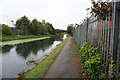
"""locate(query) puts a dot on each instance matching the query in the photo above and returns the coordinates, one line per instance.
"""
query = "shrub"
(92, 60)
(6, 30)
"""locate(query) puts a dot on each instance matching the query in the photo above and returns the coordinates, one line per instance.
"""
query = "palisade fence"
(102, 33)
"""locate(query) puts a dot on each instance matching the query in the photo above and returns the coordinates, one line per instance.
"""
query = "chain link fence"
(104, 34)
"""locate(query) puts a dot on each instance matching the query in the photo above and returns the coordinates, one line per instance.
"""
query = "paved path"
(66, 64)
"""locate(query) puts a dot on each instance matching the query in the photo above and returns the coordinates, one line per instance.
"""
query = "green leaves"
(92, 60)
(34, 27)
(112, 70)
(70, 29)
(6, 30)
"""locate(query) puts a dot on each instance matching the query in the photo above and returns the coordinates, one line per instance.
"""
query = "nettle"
(92, 60)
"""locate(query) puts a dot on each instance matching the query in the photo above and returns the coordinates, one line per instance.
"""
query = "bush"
(92, 60)
(6, 30)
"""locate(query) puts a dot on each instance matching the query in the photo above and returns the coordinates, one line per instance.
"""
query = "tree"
(36, 26)
(24, 25)
(50, 28)
(6, 30)
(101, 8)
(70, 29)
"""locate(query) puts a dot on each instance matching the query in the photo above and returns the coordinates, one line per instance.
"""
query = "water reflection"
(16, 56)
(7, 48)
(25, 49)
(33, 47)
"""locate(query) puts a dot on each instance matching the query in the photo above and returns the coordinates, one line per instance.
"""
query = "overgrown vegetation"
(42, 67)
(94, 67)
(92, 61)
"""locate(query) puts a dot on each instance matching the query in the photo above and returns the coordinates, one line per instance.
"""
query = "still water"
(14, 57)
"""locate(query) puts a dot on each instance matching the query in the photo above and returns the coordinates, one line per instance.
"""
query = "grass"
(17, 37)
(40, 70)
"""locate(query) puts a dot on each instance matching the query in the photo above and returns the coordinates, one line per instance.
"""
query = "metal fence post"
(118, 48)
(103, 41)
(87, 31)
(118, 51)
(108, 38)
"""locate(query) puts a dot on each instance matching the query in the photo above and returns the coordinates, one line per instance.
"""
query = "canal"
(22, 57)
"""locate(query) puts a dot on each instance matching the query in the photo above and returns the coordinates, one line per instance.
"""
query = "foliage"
(112, 70)
(119, 76)
(101, 8)
(70, 29)
(34, 27)
(92, 61)
(6, 30)
(24, 25)
(49, 28)
(37, 27)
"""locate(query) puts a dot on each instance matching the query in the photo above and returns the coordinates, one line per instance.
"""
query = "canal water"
(15, 58)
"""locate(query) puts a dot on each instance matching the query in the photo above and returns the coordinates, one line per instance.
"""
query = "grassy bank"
(21, 41)
(17, 37)
(40, 70)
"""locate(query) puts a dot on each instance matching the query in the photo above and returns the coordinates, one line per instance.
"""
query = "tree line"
(28, 27)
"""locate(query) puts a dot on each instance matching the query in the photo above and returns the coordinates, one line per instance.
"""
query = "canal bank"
(18, 58)
(20, 41)
(40, 70)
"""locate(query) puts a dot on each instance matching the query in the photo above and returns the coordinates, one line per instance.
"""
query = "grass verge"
(42, 67)
(17, 37)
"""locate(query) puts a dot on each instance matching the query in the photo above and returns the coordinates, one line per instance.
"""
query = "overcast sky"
(58, 12)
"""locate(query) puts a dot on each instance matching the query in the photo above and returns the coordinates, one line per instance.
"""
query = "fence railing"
(102, 33)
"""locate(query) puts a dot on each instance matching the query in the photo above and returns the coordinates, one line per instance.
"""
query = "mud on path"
(67, 64)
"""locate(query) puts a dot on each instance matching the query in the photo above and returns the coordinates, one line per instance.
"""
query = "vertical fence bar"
(77, 36)
(101, 37)
(91, 36)
(112, 31)
(103, 42)
(80, 36)
(118, 49)
(113, 28)
(87, 30)
(98, 29)
(108, 37)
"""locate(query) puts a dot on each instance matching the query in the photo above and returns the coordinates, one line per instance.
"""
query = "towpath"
(67, 64)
